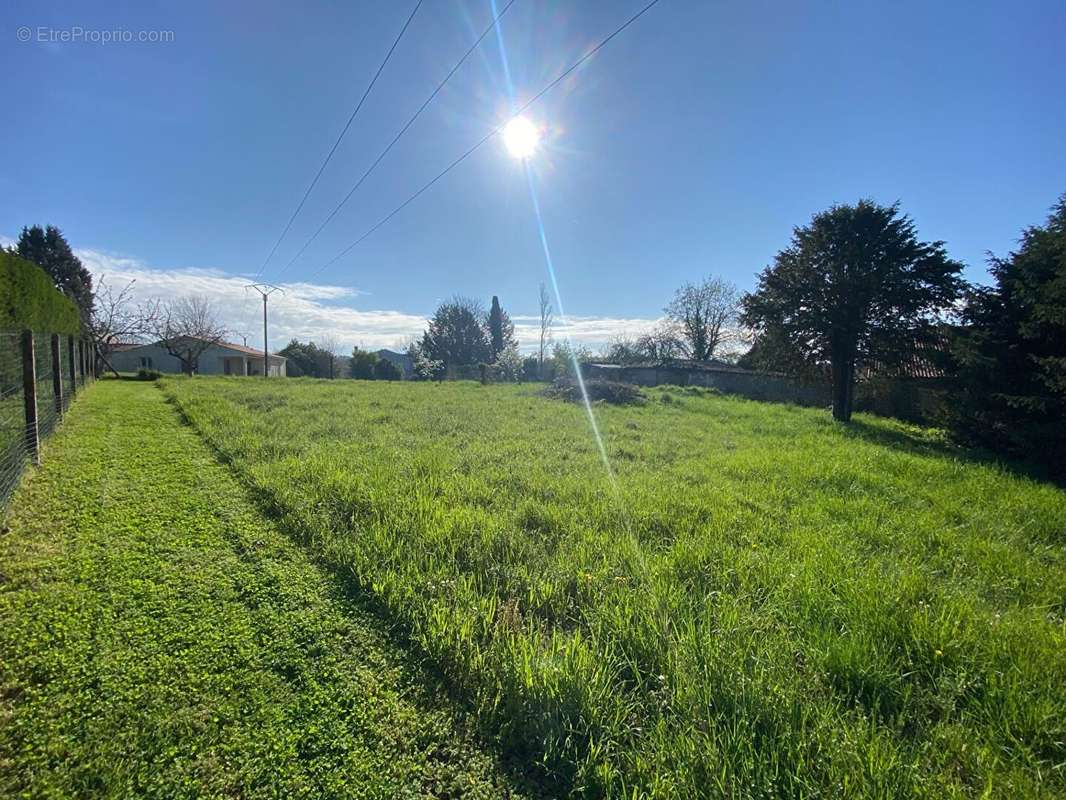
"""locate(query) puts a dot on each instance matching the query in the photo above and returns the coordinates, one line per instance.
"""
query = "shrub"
(148, 374)
(29, 299)
(619, 394)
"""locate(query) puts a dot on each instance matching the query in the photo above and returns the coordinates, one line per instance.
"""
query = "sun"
(521, 137)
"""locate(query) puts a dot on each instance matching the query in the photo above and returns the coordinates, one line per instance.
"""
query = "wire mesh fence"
(40, 373)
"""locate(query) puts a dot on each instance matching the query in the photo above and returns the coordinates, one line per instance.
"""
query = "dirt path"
(160, 637)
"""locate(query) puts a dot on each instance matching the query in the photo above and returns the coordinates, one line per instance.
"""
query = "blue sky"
(691, 144)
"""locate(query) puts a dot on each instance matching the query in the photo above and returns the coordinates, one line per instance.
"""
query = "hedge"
(29, 299)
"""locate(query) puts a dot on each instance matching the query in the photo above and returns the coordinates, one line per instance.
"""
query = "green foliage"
(456, 336)
(1011, 353)
(363, 364)
(148, 374)
(308, 359)
(385, 370)
(508, 365)
(161, 638)
(854, 286)
(28, 299)
(500, 330)
(758, 603)
(48, 249)
(564, 354)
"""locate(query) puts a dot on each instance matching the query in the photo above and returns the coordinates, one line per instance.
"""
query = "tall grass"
(764, 604)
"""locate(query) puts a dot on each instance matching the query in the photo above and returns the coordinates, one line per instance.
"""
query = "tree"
(303, 359)
(771, 351)
(662, 343)
(186, 328)
(48, 249)
(1010, 354)
(423, 367)
(545, 327)
(623, 349)
(328, 348)
(362, 364)
(116, 318)
(456, 335)
(385, 370)
(501, 329)
(509, 364)
(855, 285)
(702, 314)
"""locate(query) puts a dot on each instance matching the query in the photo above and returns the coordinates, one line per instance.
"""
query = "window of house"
(146, 362)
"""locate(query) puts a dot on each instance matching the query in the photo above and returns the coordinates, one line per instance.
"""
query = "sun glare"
(521, 137)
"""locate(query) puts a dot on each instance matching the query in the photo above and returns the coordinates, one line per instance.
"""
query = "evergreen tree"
(855, 285)
(501, 329)
(48, 249)
(456, 335)
(363, 364)
(1010, 355)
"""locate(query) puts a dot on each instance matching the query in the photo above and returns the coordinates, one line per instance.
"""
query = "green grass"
(766, 604)
(160, 638)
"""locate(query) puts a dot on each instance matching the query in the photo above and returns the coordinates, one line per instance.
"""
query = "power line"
(487, 136)
(395, 139)
(336, 144)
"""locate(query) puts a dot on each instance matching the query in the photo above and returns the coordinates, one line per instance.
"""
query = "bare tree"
(117, 319)
(186, 328)
(662, 343)
(545, 327)
(705, 313)
(328, 349)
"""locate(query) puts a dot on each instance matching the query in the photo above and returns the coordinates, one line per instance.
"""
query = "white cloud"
(303, 311)
(314, 311)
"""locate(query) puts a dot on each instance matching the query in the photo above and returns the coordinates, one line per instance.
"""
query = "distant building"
(218, 359)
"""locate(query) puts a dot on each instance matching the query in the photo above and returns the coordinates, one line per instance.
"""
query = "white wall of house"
(215, 360)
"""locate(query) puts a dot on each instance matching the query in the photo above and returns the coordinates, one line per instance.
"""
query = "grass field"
(160, 638)
(760, 602)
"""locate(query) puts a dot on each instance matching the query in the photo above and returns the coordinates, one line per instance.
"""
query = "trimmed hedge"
(29, 299)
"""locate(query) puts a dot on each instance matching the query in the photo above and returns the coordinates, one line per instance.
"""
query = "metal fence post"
(57, 375)
(73, 365)
(29, 395)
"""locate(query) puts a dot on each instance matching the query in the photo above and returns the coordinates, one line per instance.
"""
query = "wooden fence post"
(29, 396)
(73, 365)
(57, 375)
(90, 367)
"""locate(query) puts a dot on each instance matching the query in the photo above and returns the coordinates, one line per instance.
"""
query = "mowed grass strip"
(764, 604)
(160, 638)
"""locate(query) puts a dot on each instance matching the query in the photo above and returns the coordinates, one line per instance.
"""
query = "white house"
(222, 358)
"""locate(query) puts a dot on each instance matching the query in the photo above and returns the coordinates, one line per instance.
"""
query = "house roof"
(240, 348)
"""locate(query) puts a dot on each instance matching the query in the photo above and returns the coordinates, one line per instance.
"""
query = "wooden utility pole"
(265, 289)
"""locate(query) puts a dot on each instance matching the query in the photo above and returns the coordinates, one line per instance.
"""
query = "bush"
(148, 374)
(29, 299)
(618, 394)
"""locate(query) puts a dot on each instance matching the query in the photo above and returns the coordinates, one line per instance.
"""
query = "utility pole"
(265, 289)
